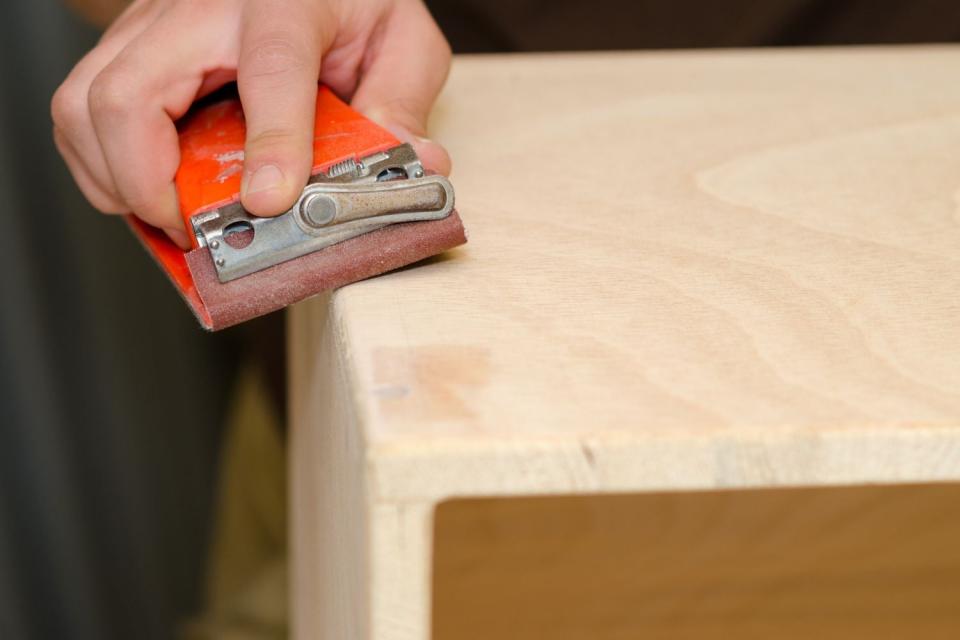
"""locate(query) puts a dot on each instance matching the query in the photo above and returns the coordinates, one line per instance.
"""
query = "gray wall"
(110, 395)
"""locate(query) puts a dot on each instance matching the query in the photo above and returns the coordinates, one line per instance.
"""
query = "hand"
(114, 114)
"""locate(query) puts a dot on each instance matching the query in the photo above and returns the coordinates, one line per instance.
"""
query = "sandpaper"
(364, 256)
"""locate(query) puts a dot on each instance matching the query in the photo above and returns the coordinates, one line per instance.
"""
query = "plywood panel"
(704, 256)
(686, 271)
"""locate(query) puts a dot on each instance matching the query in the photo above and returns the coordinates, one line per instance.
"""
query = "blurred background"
(112, 399)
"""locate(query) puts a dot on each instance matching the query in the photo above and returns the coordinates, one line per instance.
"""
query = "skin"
(114, 114)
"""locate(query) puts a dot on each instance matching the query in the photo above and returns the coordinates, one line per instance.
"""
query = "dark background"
(111, 397)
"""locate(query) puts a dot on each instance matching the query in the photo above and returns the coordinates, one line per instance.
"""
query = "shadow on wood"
(856, 562)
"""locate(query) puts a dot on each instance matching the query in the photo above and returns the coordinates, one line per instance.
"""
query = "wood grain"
(749, 261)
(686, 271)
(329, 505)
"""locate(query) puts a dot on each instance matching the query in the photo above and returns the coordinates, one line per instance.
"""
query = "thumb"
(408, 128)
(398, 87)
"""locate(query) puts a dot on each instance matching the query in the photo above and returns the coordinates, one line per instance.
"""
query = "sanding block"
(369, 207)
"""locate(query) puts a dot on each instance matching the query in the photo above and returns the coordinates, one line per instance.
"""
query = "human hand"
(114, 114)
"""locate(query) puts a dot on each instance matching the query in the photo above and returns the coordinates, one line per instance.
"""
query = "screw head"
(221, 262)
(215, 244)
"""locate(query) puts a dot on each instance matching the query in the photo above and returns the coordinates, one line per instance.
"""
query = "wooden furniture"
(695, 280)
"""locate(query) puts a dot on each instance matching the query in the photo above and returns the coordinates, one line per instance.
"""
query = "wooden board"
(736, 268)
(698, 270)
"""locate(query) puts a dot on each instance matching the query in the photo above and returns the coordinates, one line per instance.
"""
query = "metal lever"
(345, 202)
(322, 205)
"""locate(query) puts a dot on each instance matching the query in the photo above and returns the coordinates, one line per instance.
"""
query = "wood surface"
(686, 271)
(827, 563)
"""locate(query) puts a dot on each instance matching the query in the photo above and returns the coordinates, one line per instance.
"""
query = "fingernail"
(406, 135)
(399, 131)
(266, 177)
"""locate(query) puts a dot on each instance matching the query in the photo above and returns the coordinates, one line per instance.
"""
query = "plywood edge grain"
(437, 470)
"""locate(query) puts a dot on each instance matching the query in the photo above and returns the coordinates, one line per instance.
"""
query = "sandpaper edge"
(172, 262)
(279, 286)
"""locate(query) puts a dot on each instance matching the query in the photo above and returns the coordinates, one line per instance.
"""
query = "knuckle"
(137, 200)
(276, 144)
(111, 92)
(68, 105)
(273, 137)
(434, 38)
(105, 204)
(444, 51)
(273, 57)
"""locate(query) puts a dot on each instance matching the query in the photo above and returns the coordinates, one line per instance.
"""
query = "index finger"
(134, 102)
(280, 49)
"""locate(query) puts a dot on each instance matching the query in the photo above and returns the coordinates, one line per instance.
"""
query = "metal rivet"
(319, 209)
(221, 262)
(418, 173)
(215, 244)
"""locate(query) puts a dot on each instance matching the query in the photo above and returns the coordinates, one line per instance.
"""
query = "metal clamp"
(351, 198)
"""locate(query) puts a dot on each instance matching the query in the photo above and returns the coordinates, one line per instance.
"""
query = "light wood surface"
(685, 271)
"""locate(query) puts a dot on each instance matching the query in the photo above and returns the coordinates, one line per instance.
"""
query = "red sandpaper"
(365, 256)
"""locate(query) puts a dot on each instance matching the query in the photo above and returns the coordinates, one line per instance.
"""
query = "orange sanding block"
(368, 208)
